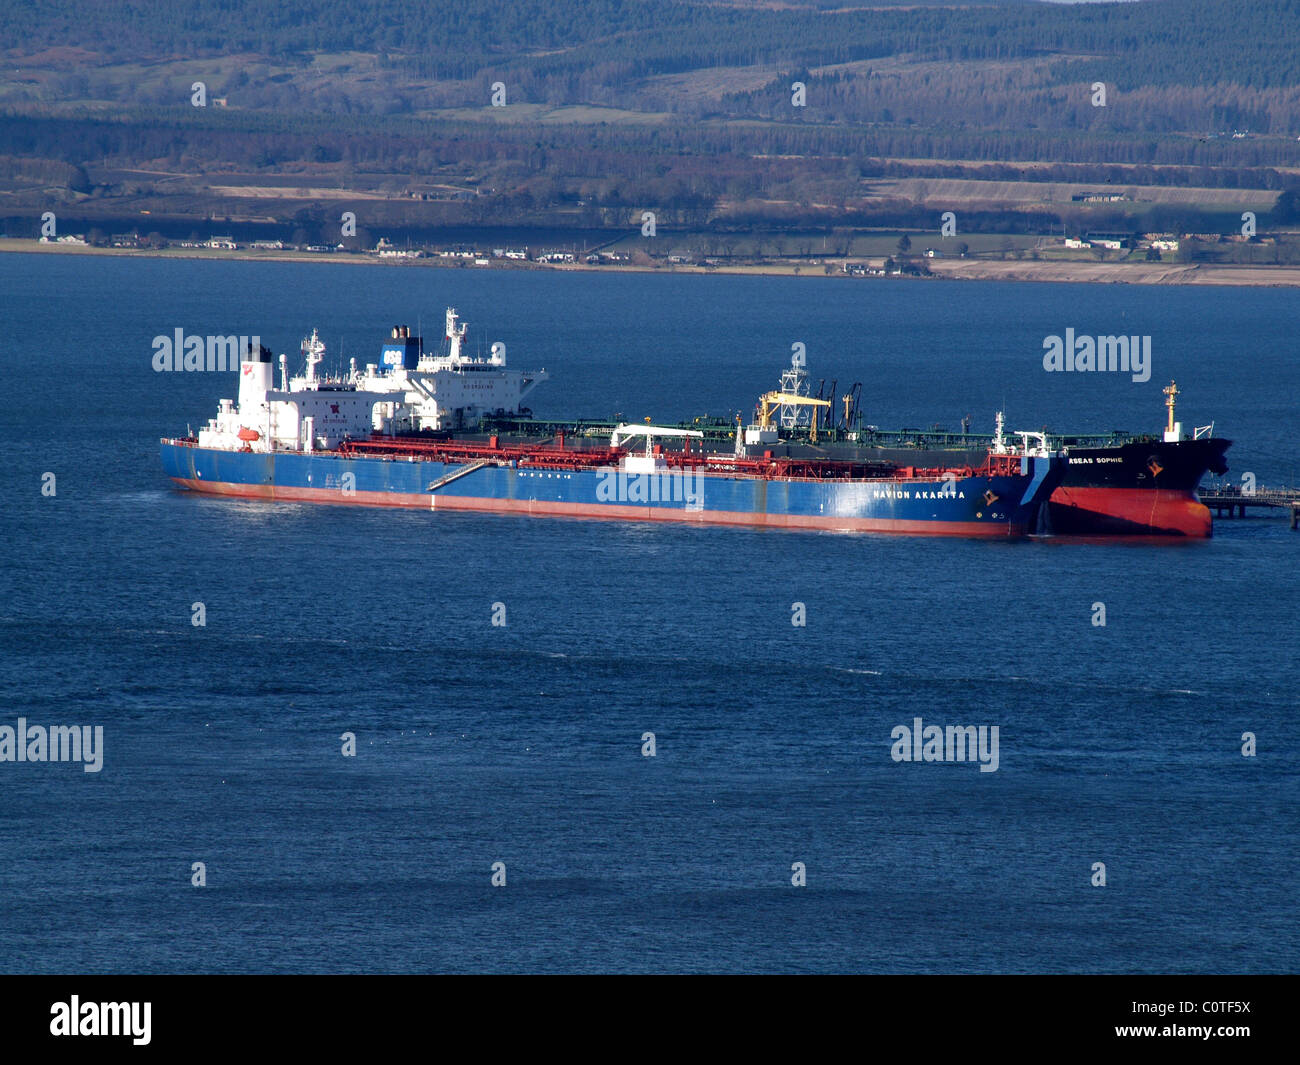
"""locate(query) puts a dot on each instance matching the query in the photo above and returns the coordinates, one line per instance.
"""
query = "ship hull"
(1141, 488)
(1137, 489)
(1090, 511)
(975, 506)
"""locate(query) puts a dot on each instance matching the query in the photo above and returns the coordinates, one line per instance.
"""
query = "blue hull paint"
(909, 505)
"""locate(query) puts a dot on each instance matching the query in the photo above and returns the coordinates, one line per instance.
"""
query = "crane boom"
(769, 401)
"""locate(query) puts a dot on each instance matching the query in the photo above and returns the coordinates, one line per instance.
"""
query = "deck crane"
(770, 401)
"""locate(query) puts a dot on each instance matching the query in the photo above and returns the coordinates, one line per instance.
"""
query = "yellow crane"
(769, 401)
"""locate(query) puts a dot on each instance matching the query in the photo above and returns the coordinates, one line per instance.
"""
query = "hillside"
(723, 117)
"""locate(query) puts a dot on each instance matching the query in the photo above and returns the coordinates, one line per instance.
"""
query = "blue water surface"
(522, 743)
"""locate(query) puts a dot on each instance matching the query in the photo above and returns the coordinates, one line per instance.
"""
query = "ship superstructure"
(446, 390)
(408, 390)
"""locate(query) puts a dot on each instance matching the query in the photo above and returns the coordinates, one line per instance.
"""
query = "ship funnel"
(255, 377)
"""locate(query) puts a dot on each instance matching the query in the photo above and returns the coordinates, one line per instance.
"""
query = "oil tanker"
(1115, 484)
(1139, 485)
(429, 430)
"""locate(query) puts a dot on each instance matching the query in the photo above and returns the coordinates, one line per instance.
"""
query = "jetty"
(1227, 500)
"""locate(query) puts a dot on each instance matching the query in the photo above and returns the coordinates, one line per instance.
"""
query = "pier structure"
(1227, 500)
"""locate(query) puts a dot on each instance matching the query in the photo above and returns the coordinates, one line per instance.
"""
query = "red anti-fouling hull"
(605, 511)
(1090, 511)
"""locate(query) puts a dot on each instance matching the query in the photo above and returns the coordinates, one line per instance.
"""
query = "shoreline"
(1047, 271)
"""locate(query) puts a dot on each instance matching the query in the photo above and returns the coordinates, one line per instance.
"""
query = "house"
(1113, 241)
(223, 243)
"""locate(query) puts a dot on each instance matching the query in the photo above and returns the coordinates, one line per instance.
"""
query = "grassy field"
(958, 191)
(1060, 270)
